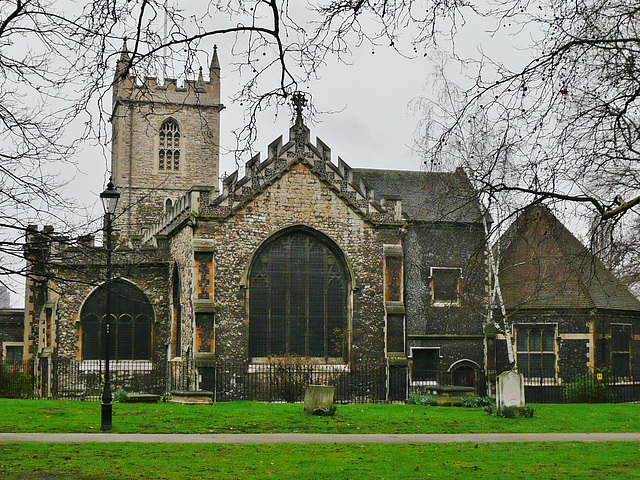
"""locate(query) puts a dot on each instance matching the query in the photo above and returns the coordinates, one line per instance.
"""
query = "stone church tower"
(165, 141)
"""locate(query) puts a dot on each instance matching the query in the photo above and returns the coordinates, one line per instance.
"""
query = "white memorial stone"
(510, 390)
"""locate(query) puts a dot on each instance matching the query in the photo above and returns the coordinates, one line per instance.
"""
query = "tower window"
(445, 286)
(169, 149)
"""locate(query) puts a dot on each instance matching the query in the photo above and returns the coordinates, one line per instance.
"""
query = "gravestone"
(449, 395)
(318, 397)
(510, 390)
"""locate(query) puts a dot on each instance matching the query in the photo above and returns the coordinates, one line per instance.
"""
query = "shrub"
(477, 401)
(593, 387)
(15, 382)
(490, 409)
(417, 399)
(329, 411)
(120, 396)
(291, 375)
(506, 412)
(509, 412)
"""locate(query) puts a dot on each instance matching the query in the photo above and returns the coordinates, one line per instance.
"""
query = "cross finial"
(299, 101)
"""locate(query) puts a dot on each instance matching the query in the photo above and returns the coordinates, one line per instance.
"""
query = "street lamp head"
(110, 198)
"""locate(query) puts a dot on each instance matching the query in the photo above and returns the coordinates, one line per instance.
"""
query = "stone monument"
(510, 391)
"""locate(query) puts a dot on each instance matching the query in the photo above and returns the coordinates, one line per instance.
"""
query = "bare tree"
(56, 60)
(565, 126)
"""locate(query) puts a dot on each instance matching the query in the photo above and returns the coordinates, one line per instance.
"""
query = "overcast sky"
(367, 109)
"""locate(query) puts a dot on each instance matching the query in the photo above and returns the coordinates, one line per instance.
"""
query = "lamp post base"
(107, 409)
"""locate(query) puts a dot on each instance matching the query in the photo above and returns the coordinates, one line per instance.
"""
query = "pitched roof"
(426, 196)
(543, 265)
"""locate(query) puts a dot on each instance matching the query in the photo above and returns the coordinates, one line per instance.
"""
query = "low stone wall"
(198, 397)
(449, 394)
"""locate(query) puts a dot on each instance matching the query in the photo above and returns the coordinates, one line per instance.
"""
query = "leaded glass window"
(621, 349)
(131, 322)
(169, 151)
(536, 350)
(425, 364)
(298, 299)
(445, 286)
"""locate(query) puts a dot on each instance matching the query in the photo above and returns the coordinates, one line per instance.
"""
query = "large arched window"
(169, 148)
(131, 322)
(298, 289)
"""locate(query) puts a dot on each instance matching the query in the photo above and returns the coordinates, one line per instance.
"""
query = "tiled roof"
(426, 196)
(543, 266)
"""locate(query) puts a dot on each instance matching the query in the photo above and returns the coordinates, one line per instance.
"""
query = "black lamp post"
(109, 201)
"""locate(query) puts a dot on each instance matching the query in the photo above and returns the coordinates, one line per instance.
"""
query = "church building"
(301, 255)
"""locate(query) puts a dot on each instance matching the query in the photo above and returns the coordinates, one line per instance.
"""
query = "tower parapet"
(198, 92)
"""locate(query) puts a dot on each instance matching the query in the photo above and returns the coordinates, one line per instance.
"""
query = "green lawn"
(537, 461)
(257, 417)
(540, 461)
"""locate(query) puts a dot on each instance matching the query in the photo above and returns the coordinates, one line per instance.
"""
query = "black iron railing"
(286, 380)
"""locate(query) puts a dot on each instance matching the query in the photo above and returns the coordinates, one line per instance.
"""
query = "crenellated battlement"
(258, 175)
(196, 92)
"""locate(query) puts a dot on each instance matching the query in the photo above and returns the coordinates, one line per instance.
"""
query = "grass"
(256, 417)
(540, 461)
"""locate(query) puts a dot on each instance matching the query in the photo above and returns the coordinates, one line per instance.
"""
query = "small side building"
(11, 334)
(567, 312)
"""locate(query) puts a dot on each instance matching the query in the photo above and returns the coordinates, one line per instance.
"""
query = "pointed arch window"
(169, 147)
(131, 322)
(298, 298)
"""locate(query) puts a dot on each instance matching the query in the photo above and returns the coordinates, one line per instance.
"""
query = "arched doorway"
(298, 297)
(131, 322)
(464, 373)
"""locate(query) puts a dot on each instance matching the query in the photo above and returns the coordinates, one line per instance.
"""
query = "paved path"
(232, 438)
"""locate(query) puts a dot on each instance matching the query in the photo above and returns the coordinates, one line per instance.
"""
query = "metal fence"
(286, 381)
(283, 381)
(583, 386)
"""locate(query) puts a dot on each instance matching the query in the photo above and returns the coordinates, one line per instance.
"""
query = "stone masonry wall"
(456, 329)
(298, 198)
(11, 326)
(76, 271)
(182, 254)
(574, 346)
(152, 280)
(143, 187)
